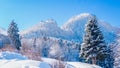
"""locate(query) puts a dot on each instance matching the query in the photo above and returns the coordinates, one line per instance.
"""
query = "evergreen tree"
(93, 47)
(109, 60)
(13, 35)
(110, 57)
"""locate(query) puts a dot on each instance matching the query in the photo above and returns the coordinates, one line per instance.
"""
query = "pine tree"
(93, 47)
(110, 58)
(13, 35)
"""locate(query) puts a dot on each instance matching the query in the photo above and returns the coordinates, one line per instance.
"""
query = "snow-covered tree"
(109, 58)
(45, 47)
(34, 42)
(13, 35)
(93, 47)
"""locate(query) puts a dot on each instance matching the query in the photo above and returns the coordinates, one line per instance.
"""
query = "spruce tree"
(93, 47)
(109, 61)
(13, 35)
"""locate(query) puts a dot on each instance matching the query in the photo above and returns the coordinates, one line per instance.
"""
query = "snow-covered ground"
(82, 65)
(71, 64)
(14, 60)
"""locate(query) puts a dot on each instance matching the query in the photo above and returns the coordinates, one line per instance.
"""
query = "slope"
(20, 61)
(46, 28)
(76, 25)
(72, 30)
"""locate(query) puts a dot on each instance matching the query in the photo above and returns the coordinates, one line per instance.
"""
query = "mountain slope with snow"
(3, 40)
(47, 28)
(19, 61)
(3, 37)
(72, 30)
(3, 31)
(77, 23)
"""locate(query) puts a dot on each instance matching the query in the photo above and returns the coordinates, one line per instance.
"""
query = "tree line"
(93, 49)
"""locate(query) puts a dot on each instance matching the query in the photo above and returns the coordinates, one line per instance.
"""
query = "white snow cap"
(80, 16)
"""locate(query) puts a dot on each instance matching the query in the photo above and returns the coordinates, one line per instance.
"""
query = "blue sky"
(29, 12)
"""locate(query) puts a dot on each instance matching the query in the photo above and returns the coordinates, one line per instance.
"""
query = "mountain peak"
(47, 23)
(50, 21)
(45, 28)
(80, 16)
(76, 25)
(73, 29)
(84, 14)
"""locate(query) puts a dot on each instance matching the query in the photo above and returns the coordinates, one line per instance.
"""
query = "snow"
(19, 61)
(23, 64)
(72, 64)
(48, 60)
(77, 23)
(48, 28)
(3, 31)
(116, 49)
(55, 48)
(8, 55)
(77, 17)
(72, 30)
(82, 65)
(14, 60)
(3, 40)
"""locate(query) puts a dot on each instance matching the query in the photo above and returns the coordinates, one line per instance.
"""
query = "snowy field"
(14, 60)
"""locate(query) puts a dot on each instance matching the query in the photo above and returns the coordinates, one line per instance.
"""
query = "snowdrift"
(15, 60)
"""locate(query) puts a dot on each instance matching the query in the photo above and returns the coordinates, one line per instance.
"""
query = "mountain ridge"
(72, 30)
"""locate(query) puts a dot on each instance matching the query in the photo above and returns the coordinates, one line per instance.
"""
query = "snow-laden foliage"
(93, 47)
(109, 61)
(116, 52)
(54, 48)
(13, 35)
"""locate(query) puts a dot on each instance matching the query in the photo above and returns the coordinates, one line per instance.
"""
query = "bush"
(8, 48)
(30, 52)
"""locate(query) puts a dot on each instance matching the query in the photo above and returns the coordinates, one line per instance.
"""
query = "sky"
(27, 13)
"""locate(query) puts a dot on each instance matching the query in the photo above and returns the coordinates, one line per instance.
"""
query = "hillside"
(3, 31)
(19, 61)
(72, 30)
(47, 39)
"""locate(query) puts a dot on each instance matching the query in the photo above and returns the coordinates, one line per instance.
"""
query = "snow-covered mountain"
(76, 25)
(73, 29)
(3, 37)
(3, 31)
(3, 40)
(47, 28)
(57, 42)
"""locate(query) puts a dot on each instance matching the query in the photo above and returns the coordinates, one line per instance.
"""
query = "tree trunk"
(94, 60)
